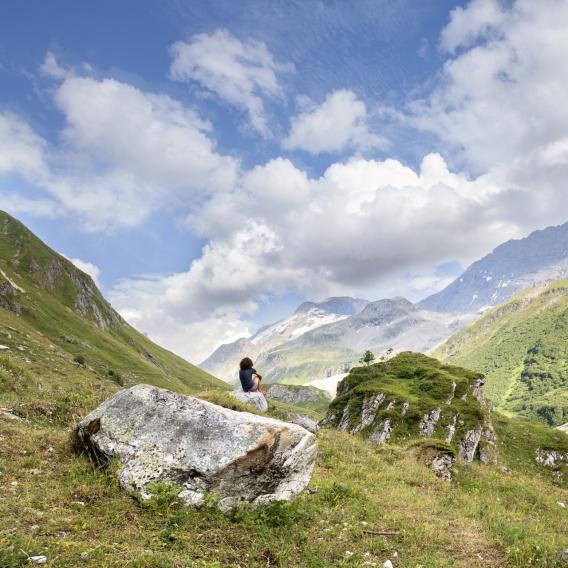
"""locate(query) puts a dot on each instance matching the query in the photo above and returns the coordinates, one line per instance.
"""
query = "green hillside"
(56, 323)
(522, 348)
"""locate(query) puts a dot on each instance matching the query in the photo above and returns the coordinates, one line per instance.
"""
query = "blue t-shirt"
(246, 379)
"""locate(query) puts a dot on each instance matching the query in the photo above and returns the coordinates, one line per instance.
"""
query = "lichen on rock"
(161, 436)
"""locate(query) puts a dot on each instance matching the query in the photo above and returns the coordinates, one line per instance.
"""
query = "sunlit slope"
(45, 298)
(522, 348)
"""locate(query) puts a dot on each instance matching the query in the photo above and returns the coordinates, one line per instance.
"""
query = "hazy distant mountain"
(309, 316)
(322, 340)
(511, 267)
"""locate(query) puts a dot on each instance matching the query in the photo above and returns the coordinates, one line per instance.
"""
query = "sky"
(213, 164)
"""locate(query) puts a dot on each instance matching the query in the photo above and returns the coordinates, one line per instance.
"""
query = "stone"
(306, 422)
(429, 422)
(255, 399)
(388, 564)
(441, 465)
(161, 436)
(369, 411)
(382, 434)
(469, 443)
(38, 560)
(550, 458)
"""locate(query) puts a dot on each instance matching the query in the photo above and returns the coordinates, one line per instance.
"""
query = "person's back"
(250, 379)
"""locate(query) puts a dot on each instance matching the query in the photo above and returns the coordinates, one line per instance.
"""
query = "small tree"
(367, 359)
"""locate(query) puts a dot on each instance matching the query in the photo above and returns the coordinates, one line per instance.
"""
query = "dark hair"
(246, 363)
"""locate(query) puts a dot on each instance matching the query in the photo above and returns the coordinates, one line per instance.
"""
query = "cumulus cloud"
(123, 153)
(502, 94)
(340, 122)
(360, 223)
(240, 73)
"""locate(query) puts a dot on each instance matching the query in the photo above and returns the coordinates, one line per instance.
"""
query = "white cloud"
(240, 73)
(340, 122)
(361, 223)
(123, 153)
(88, 268)
(503, 95)
(480, 17)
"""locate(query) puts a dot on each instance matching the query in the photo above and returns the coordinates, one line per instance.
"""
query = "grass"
(61, 505)
(522, 349)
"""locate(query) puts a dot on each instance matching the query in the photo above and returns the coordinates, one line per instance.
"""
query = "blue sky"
(215, 163)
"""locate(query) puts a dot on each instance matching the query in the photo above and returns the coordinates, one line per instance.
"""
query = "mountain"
(521, 347)
(317, 347)
(223, 362)
(52, 311)
(511, 267)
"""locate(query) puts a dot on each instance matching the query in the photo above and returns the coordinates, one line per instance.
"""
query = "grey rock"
(564, 556)
(469, 444)
(404, 409)
(38, 560)
(452, 430)
(255, 399)
(382, 434)
(441, 465)
(161, 436)
(477, 389)
(294, 395)
(344, 423)
(429, 422)
(306, 422)
(550, 458)
(369, 411)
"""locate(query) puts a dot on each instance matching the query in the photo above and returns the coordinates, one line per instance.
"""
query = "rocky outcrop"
(550, 458)
(441, 465)
(415, 396)
(469, 443)
(291, 394)
(429, 422)
(161, 436)
(255, 399)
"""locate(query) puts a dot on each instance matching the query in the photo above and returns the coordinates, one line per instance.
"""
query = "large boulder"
(161, 436)
(255, 399)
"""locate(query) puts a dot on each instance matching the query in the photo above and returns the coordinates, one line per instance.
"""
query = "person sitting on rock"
(250, 379)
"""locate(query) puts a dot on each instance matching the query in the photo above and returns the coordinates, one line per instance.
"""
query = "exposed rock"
(4, 348)
(306, 422)
(255, 399)
(429, 422)
(368, 411)
(550, 458)
(38, 560)
(158, 435)
(441, 465)
(469, 443)
(451, 429)
(404, 409)
(294, 395)
(344, 423)
(382, 434)
(391, 405)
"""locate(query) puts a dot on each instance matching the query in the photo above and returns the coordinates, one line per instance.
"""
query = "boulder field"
(161, 436)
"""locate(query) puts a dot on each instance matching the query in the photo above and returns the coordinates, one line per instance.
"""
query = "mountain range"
(321, 341)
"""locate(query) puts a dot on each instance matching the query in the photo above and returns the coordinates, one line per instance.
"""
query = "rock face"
(306, 422)
(161, 436)
(255, 399)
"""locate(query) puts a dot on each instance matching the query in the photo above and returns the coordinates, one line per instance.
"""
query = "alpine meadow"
(284, 284)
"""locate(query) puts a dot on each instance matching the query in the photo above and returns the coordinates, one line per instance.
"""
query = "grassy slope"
(49, 316)
(522, 348)
(57, 504)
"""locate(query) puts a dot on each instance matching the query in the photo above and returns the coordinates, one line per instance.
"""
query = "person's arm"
(257, 374)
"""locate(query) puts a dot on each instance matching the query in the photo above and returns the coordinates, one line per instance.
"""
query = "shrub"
(80, 360)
